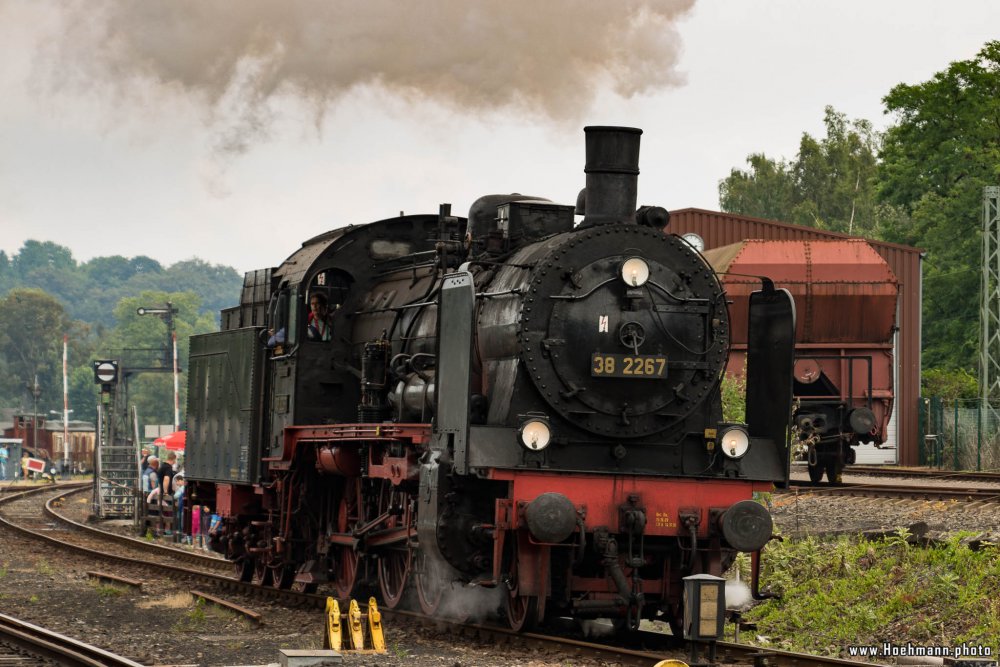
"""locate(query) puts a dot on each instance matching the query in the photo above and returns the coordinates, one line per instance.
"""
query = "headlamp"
(635, 272)
(535, 434)
(734, 441)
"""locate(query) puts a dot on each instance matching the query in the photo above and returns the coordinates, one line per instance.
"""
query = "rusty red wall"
(719, 229)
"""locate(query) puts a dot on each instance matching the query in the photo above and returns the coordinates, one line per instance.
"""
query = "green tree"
(835, 176)
(6, 272)
(32, 325)
(949, 384)
(142, 342)
(40, 257)
(830, 184)
(765, 190)
(936, 158)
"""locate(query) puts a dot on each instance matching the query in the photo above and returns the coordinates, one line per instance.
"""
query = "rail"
(52, 645)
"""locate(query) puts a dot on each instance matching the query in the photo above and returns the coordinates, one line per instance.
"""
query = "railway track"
(27, 644)
(923, 473)
(645, 648)
(951, 492)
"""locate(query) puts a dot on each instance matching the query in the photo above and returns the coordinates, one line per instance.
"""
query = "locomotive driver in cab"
(318, 327)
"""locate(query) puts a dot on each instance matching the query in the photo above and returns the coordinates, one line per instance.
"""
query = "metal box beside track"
(224, 406)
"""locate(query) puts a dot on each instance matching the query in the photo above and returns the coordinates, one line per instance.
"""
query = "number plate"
(635, 366)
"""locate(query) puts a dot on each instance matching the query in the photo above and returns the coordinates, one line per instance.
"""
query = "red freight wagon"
(845, 304)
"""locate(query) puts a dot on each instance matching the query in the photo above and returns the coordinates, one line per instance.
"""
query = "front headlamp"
(535, 434)
(734, 441)
(635, 272)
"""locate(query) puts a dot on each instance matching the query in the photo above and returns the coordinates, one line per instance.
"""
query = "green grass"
(204, 615)
(107, 591)
(844, 591)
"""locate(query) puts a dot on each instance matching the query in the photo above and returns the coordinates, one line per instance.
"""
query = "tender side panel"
(225, 385)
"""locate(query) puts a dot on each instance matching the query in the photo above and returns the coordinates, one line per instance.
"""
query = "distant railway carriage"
(49, 442)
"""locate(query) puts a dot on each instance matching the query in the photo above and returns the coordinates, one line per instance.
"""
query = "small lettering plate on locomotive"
(633, 366)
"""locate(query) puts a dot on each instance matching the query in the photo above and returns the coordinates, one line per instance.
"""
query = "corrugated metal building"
(719, 229)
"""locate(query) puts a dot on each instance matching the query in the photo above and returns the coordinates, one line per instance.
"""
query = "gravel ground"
(805, 513)
(161, 625)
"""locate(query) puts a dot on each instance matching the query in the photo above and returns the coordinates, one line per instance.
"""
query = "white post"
(177, 409)
(65, 408)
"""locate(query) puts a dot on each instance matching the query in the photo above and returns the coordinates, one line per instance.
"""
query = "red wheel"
(394, 563)
(261, 573)
(282, 576)
(522, 610)
(393, 572)
(345, 571)
(430, 589)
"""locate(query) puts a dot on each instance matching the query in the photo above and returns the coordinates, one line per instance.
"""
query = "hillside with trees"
(46, 294)
(919, 183)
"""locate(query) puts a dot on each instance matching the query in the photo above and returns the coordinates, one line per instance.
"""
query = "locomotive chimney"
(612, 174)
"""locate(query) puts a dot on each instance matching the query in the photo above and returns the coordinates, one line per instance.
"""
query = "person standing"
(150, 480)
(4, 455)
(166, 473)
(144, 461)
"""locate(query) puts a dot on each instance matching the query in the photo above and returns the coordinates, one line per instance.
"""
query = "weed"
(843, 591)
(107, 591)
(399, 650)
(734, 397)
(194, 620)
(204, 614)
(43, 567)
(3, 571)
(198, 613)
(33, 598)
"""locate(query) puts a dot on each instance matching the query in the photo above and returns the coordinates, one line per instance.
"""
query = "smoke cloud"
(237, 60)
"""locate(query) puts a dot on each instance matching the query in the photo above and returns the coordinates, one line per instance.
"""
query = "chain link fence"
(961, 434)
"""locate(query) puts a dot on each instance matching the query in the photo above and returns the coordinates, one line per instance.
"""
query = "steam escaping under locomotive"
(512, 400)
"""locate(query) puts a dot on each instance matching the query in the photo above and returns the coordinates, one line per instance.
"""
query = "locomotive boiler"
(514, 401)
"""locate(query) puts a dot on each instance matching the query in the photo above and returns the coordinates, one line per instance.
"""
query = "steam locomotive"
(513, 401)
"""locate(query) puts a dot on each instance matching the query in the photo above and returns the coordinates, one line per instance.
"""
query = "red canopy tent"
(172, 441)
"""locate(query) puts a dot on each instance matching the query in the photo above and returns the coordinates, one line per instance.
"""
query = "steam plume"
(235, 59)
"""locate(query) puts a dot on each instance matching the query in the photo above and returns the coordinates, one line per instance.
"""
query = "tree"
(32, 325)
(143, 342)
(830, 184)
(948, 384)
(935, 160)
(766, 190)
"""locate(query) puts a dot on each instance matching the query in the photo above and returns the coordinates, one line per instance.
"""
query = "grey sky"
(104, 169)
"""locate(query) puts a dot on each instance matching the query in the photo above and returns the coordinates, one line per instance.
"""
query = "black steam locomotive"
(511, 401)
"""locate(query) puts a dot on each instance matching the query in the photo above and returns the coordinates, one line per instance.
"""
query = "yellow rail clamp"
(357, 631)
(375, 626)
(332, 638)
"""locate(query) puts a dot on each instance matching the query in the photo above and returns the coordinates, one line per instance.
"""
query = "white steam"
(236, 60)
